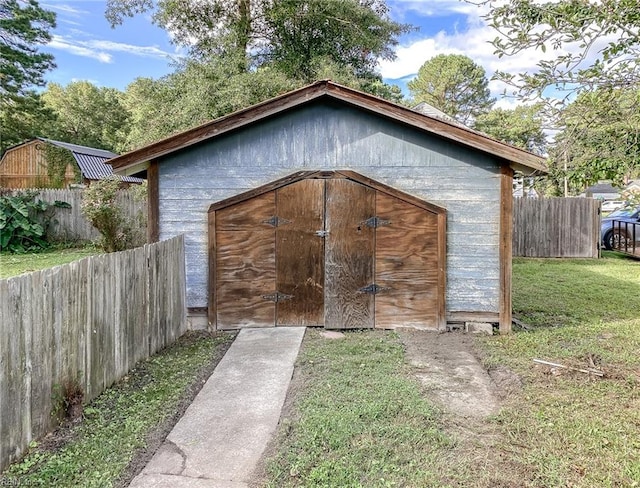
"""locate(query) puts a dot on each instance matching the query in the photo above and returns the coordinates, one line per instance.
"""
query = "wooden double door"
(332, 253)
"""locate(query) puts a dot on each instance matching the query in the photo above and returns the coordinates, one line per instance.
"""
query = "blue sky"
(87, 48)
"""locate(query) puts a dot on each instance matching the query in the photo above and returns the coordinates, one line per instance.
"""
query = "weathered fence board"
(556, 227)
(89, 321)
(70, 225)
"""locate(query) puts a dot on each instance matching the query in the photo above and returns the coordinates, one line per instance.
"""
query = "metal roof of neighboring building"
(92, 161)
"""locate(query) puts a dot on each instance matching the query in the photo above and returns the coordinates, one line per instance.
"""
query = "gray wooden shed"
(330, 207)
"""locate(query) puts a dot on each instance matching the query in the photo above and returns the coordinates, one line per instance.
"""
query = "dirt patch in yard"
(451, 374)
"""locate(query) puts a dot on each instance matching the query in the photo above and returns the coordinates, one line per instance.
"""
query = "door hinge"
(375, 222)
(322, 233)
(277, 297)
(275, 221)
(372, 289)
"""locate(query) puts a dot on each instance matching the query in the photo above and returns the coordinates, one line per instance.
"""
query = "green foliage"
(454, 84)
(211, 28)
(87, 115)
(116, 425)
(23, 26)
(600, 139)
(23, 118)
(353, 34)
(521, 127)
(196, 93)
(599, 42)
(58, 159)
(100, 207)
(22, 227)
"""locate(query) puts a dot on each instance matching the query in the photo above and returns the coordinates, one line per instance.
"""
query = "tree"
(521, 127)
(196, 93)
(23, 118)
(454, 84)
(304, 34)
(23, 26)
(87, 115)
(599, 43)
(298, 36)
(213, 27)
(600, 139)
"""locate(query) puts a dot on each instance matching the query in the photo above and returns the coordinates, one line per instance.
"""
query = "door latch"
(322, 233)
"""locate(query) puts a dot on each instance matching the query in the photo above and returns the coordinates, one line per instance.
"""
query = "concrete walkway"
(222, 435)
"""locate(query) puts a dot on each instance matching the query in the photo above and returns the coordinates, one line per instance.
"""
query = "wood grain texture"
(556, 227)
(506, 243)
(325, 89)
(245, 255)
(153, 202)
(212, 280)
(349, 255)
(245, 263)
(84, 321)
(239, 305)
(300, 253)
(406, 264)
(247, 215)
(338, 138)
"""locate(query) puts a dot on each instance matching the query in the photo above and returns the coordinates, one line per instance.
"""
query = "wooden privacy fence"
(70, 225)
(556, 227)
(89, 321)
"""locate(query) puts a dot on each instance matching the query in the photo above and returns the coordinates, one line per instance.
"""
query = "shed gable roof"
(518, 158)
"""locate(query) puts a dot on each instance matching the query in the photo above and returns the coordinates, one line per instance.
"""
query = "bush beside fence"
(556, 227)
(87, 322)
(70, 225)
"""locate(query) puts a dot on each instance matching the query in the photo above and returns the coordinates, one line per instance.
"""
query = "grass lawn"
(15, 264)
(108, 445)
(573, 430)
(359, 419)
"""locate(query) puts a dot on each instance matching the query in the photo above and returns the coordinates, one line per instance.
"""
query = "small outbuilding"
(45, 163)
(330, 207)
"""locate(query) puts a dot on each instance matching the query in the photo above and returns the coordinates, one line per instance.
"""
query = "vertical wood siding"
(465, 182)
(26, 167)
(91, 321)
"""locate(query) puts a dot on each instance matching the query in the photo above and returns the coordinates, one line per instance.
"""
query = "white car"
(612, 205)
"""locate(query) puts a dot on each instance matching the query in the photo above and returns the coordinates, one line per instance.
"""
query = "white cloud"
(433, 8)
(78, 49)
(102, 50)
(144, 51)
(65, 8)
(473, 41)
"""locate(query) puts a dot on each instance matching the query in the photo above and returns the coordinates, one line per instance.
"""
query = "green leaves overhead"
(352, 34)
(599, 42)
(23, 26)
(600, 139)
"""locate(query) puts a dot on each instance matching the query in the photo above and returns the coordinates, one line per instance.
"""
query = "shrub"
(23, 221)
(100, 207)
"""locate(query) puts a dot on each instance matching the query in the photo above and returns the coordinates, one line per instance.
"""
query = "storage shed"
(26, 165)
(331, 207)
